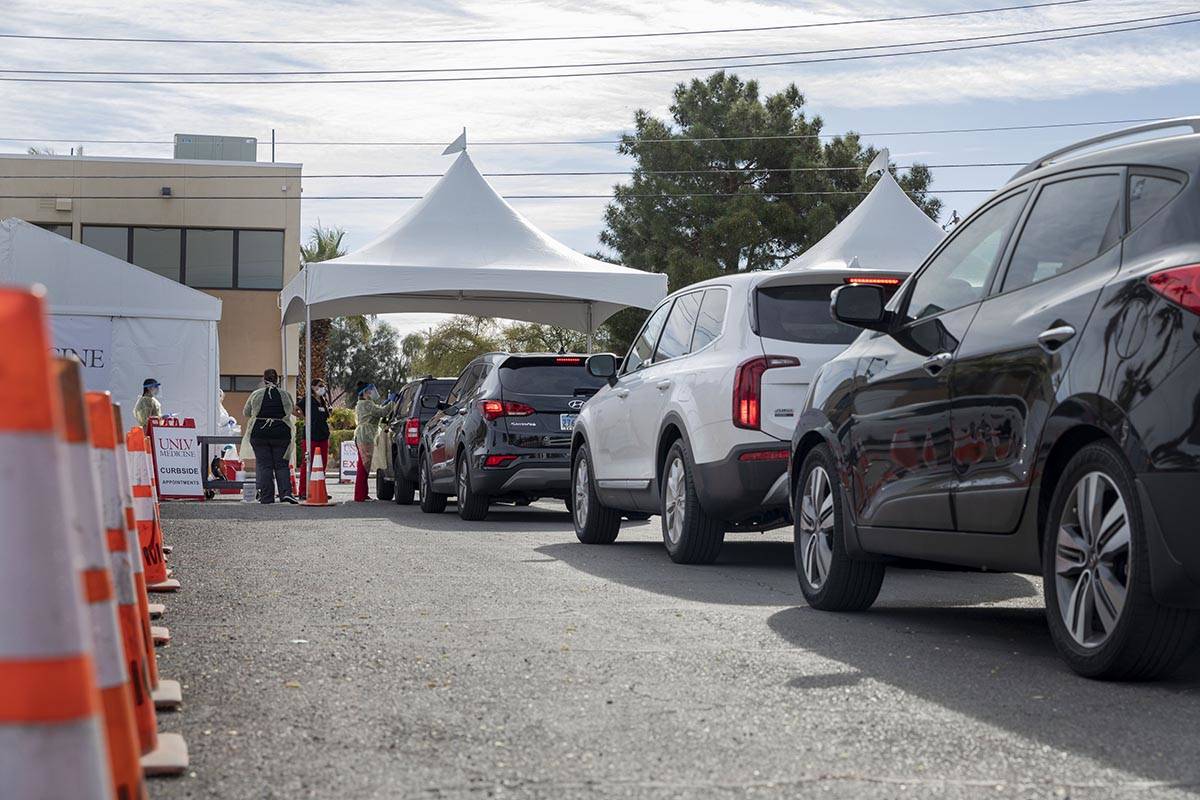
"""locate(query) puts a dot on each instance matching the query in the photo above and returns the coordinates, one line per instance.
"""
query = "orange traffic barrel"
(51, 737)
(153, 561)
(82, 508)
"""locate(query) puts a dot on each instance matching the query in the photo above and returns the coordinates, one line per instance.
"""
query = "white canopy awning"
(463, 250)
(886, 231)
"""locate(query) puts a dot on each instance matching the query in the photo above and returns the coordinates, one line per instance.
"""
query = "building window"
(260, 260)
(208, 258)
(62, 229)
(107, 239)
(240, 383)
(158, 250)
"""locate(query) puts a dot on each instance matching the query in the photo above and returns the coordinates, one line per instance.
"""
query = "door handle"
(1052, 339)
(663, 385)
(935, 364)
(621, 393)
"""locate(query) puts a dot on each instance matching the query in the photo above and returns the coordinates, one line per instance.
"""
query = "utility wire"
(506, 197)
(679, 140)
(605, 73)
(591, 64)
(562, 38)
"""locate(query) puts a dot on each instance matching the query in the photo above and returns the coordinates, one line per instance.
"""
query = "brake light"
(873, 281)
(568, 361)
(747, 389)
(412, 431)
(765, 455)
(1180, 285)
(498, 460)
(494, 409)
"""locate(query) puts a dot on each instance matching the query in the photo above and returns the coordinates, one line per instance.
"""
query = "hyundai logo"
(576, 404)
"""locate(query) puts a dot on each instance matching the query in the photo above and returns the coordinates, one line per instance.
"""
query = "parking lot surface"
(372, 651)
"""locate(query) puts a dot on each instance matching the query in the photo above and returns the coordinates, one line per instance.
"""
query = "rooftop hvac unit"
(215, 148)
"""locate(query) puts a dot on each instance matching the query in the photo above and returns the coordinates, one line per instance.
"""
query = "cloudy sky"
(1149, 73)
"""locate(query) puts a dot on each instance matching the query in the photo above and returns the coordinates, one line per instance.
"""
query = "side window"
(1072, 222)
(480, 380)
(958, 275)
(464, 384)
(643, 346)
(710, 318)
(1147, 194)
(676, 339)
(404, 405)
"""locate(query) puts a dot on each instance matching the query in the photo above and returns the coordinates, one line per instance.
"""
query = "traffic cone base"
(168, 549)
(169, 758)
(168, 696)
(317, 494)
(156, 609)
(161, 634)
(169, 585)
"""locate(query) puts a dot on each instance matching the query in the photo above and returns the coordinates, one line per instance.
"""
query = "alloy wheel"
(581, 492)
(1091, 562)
(462, 478)
(816, 527)
(675, 498)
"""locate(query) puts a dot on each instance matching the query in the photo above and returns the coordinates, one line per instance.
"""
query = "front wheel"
(691, 535)
(595, 523)
(829, 578)
(472, 506)
(431, 502)
(1100, 608)
(383, 487)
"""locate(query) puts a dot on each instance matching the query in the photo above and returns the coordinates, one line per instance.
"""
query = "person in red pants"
(320, 430)
(370, 413)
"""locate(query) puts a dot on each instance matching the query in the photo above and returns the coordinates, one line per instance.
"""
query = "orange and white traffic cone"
(51, 738)
(318, 493)
(168, 584)
(83, 512)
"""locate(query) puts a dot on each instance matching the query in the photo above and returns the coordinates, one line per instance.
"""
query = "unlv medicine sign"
(177, 459)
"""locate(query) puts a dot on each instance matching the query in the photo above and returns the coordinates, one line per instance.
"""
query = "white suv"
(695, 422)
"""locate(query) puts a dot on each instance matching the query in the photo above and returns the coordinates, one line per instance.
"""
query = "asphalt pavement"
(372, 651)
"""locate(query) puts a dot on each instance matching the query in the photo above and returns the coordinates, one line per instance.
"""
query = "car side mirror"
(860, 305)
(603, 365)
(431, 401)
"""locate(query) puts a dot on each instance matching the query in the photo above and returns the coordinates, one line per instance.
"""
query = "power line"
(591, 64)
(572, 173)
(506, 197)
(561, 38)
(679, 140)
(605, 73)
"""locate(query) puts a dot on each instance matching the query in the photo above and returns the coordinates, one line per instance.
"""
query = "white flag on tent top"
(879, 164)
(458, 145)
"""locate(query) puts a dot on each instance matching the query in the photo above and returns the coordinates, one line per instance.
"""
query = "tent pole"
(589, 328)
(308, 388)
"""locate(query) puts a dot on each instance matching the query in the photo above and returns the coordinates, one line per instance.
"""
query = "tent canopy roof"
(86, 282)
(463, 249)
(886, 231)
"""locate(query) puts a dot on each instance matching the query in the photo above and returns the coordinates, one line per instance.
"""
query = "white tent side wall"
(144, 348)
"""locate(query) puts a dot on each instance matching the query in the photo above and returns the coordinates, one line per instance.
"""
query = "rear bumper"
(735, 490)
(546, 474)
(1172, 536)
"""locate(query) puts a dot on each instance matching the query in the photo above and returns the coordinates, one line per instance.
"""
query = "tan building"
(228, 228)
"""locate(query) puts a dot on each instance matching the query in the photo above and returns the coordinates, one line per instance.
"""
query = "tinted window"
(676, 337)
(544, 376)
(438, 389)
(114, 241)
(62, 229)
(1147, 194)
(1071, 223)
(209, 258)
(710, 319)
(800, 314)
(643, 348)
(260, 260)
(464, 384)
(157, 249)
(958, 275)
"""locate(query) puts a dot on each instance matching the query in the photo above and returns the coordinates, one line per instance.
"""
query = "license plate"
(566, 422)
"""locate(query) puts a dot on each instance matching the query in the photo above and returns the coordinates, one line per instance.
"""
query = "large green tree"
(704, 200)
(379, 358)
(450, 345)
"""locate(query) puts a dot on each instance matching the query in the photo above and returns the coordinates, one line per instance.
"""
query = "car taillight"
(1180, 285)
(494, 409)
(747, 389)
(765, 455)
(498, 460)
(412, 431)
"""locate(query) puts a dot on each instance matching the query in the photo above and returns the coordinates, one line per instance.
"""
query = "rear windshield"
(801, 314)
(565, 376)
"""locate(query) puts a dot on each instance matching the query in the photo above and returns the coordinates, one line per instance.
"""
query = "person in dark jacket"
(319, 430)
(272, 437)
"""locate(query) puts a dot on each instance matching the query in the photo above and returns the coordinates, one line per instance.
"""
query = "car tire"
(405, 489)
(690, 535)
(383, 487)
(431, 502)
(829, 578)
(595, 523)
(1101, 610)
(472, 506)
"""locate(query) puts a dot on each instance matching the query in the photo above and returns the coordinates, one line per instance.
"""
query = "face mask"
(154, 392)
(319, 391)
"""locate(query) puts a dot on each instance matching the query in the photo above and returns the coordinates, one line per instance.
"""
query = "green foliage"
(324, 244)
(529, 337)
(740, 212)
(376, 360)
(342, 419)
(449, 346)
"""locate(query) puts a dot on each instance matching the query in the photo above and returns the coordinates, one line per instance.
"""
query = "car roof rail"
(1162, 124)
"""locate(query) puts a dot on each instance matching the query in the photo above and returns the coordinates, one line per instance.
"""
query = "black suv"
(399, 481)
(1029, 402)
(504, 432)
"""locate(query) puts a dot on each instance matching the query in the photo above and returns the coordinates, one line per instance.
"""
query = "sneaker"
(287, 498)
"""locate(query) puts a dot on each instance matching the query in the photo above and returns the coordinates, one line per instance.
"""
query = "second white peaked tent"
(463, 250)
(886, 231)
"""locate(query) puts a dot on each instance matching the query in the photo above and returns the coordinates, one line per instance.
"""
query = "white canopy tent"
(125, 323)
(886, 231)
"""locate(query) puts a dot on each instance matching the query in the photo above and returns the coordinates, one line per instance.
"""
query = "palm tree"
(324, 244)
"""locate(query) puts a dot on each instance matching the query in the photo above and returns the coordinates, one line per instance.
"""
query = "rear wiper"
(584, 391)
